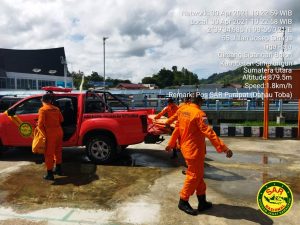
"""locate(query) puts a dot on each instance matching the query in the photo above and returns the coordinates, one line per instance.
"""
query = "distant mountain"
(234, 76)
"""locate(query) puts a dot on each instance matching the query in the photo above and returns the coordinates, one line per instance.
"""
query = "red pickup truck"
(95, 119)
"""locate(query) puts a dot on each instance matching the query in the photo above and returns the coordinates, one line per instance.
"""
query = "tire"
(123, 147)
(1, 149)
(101, 149)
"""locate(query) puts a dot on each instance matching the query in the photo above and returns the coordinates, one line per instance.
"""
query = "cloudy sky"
(144, 36)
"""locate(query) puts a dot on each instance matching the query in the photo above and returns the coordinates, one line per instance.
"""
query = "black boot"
(40, 159)
(49, 175)
(58, 170)
(186, 207)
(174, 155)
(202, 203)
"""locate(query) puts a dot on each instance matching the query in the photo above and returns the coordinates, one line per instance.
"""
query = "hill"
(234, 76)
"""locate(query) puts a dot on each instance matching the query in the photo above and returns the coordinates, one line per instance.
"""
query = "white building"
(33, 69)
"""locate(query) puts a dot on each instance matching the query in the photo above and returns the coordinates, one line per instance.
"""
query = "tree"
(77, 76)
(115, 82)
(166, 78)
(96, 77)
(149, 80)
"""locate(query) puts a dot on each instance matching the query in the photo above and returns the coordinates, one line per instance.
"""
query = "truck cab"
(95, 119)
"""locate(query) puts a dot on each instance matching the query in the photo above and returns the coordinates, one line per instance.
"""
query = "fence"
(221, 104)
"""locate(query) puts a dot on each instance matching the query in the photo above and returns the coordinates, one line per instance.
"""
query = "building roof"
(130, 86)
(233, 85)
(211, 86)
(202, 86)
(24, 61)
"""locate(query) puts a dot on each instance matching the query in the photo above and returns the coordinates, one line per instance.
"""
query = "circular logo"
(25, 129)
(275, 198)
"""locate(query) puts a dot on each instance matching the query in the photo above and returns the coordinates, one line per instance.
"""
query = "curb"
(255, 131)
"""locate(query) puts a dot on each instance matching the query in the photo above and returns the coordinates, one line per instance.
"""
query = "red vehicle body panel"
(125, 125)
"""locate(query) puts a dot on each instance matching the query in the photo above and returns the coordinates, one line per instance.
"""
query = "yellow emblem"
(25, 129)
(275, 198)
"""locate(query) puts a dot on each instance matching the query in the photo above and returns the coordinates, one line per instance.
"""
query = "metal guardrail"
(208, 105)
(221, 105)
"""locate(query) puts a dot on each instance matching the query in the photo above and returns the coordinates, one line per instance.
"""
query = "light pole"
(104, 38)
(283, 45)
(281, 118)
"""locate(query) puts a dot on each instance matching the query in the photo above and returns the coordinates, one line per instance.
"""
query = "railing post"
(280, 105)
(248, 105)
(217, 105)
(207, 103)
(159, 104)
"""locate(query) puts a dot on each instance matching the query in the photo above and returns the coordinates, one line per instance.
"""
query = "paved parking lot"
(142, 186)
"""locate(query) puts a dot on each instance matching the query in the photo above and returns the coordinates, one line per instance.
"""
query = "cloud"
(77, 37)
(167, 30)
(135, 25)
(144, 36)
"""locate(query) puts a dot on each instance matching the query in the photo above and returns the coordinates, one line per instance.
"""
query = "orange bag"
(39, 142)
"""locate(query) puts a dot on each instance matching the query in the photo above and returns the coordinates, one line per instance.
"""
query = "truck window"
(30, 106)
(7, 102)
(114, 103)
(95, 103)
(68, 108)
(94, 106)
(3, 106)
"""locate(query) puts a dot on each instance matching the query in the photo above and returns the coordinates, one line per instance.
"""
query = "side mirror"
(11, 112)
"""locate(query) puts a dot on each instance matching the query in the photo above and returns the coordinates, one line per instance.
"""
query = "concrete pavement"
(142, 186)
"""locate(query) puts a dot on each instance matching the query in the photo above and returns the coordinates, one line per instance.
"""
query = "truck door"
(132, 122)
(68, 106)
(132, 125)
(21, 122)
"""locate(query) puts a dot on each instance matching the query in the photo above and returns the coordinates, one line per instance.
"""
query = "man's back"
(193, 128)
(192, 139)
(52, 117)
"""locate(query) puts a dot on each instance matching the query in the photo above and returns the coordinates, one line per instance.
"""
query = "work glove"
(229, 153)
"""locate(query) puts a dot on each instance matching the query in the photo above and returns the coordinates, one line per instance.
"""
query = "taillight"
(144, 123)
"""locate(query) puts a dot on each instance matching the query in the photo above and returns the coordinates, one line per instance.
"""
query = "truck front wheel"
(101, 149)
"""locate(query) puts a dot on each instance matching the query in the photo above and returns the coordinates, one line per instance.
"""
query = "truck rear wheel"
(101, 149)
(123, 147)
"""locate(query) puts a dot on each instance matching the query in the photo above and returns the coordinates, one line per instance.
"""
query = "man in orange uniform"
(170, 109)
(50, 119)
(193, 128)
(175, 134)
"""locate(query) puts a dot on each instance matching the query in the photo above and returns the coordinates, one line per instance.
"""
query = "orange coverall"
(175, 135)
(193, 128)
(50, 119)
(170, 109)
